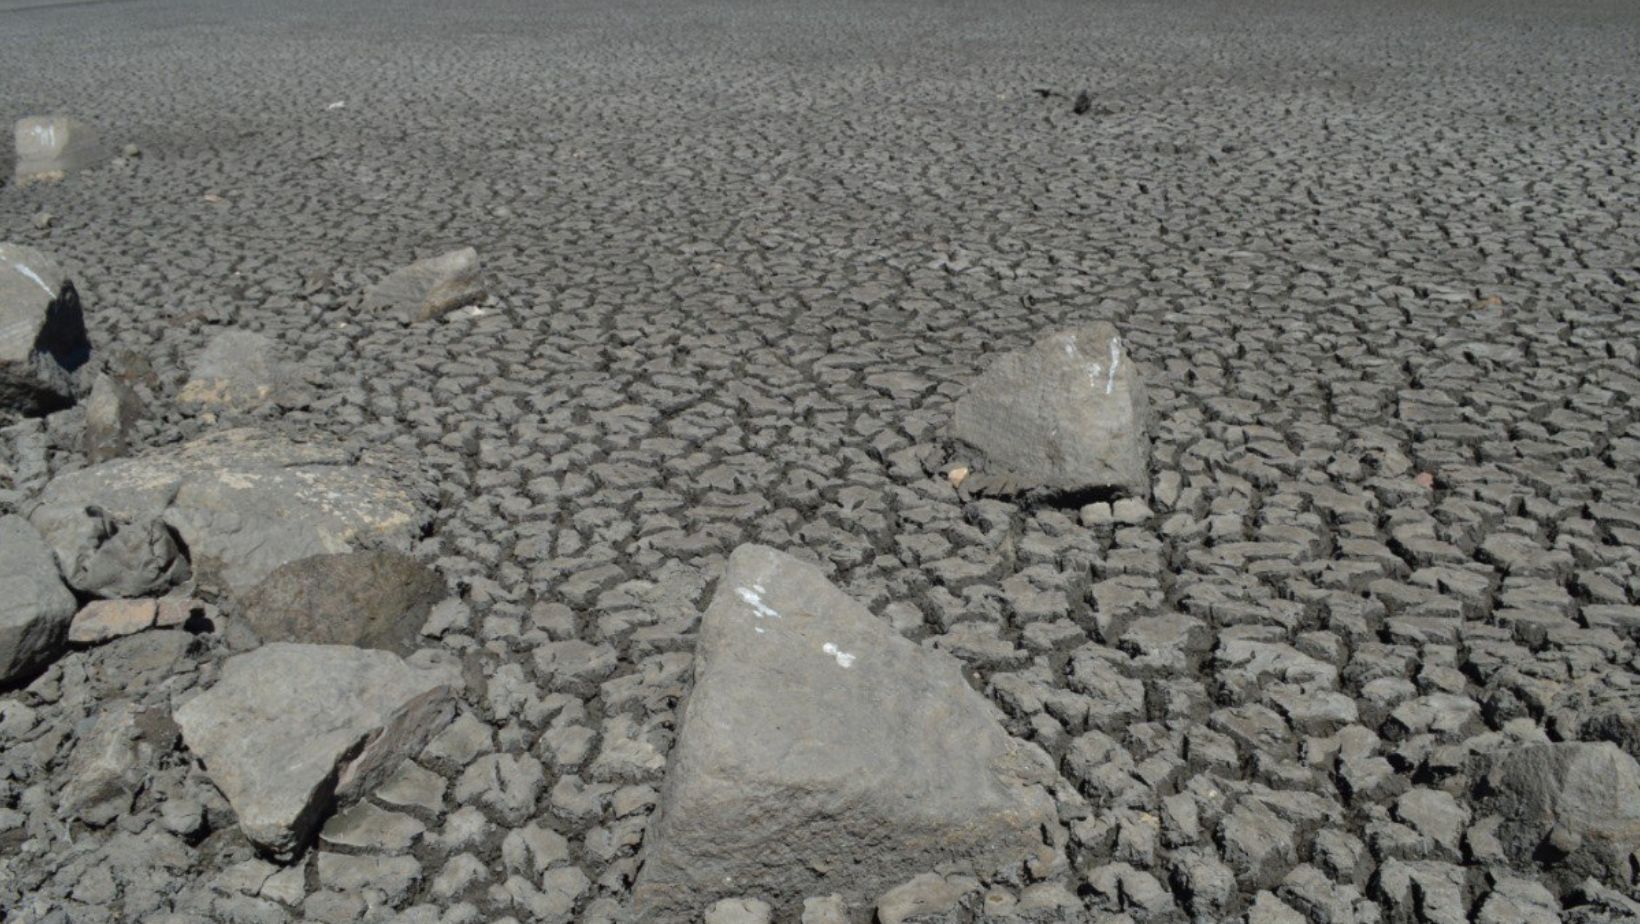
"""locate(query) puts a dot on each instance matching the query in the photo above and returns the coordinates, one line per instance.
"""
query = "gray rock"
(51, 147)
(816, 735)
(1574, 804)
(370, 599)
(829, 909)
(289, 728)
(413, 786)
(507, 784)
(43, 343)
(243, 502)
(111, 413)
(115, 557)
(1069, 414)
(1514, 900)
(924, 894)
(738, 911)
(363, 826)
(429, 288)
(35, 607)
(240, 370)
(103, 773)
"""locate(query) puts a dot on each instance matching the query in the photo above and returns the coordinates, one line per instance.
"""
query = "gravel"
(740, 262)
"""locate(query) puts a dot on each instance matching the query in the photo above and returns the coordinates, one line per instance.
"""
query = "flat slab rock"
(1069, 415)
(816, 736)
(240, 370)
(429, 288)
(243, 502)
(289, 730)
(43, 341)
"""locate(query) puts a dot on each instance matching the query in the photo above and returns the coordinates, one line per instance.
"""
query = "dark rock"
(371, 599)
(1571, 806)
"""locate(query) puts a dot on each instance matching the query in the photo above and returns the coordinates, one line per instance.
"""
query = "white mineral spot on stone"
(844, 659)
(755, 601)
(339, 104)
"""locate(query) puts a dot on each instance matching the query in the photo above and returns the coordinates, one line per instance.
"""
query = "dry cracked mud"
(1379, 261)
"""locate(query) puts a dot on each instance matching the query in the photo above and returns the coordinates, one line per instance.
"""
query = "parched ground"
(1379, 261)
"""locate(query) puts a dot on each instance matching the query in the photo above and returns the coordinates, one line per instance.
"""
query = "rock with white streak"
(1068, 416)
(43, 343)
(814, 736)
(51, 147)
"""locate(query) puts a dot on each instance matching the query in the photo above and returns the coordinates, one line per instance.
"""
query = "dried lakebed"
(1366, 652)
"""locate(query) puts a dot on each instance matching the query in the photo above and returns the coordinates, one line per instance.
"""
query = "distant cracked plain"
(1378, 261)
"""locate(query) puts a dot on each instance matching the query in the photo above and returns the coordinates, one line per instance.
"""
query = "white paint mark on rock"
(844, 659)
(37, 280)
(1115, 360)
(755, 601)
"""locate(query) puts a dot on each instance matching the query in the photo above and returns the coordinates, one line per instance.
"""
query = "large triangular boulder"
(429, 288)
(822, 753)
(1067, 415)
(43, 342)
(241, 502)
(289, 731)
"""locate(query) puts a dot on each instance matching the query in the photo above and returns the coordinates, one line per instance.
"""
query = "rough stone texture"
(814, 736)
(743, 258)
(243, 502)
(50, 147)
(35, 607)
(289, 729)
(1069, 414)
(429, 288)
(240, 370)
(1572, 805)
(111, 414)
(43, 340)
(105, 768)
(102, 620)
(372, 599)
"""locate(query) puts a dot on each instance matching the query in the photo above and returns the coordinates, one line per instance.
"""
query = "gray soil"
(1379, 261)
